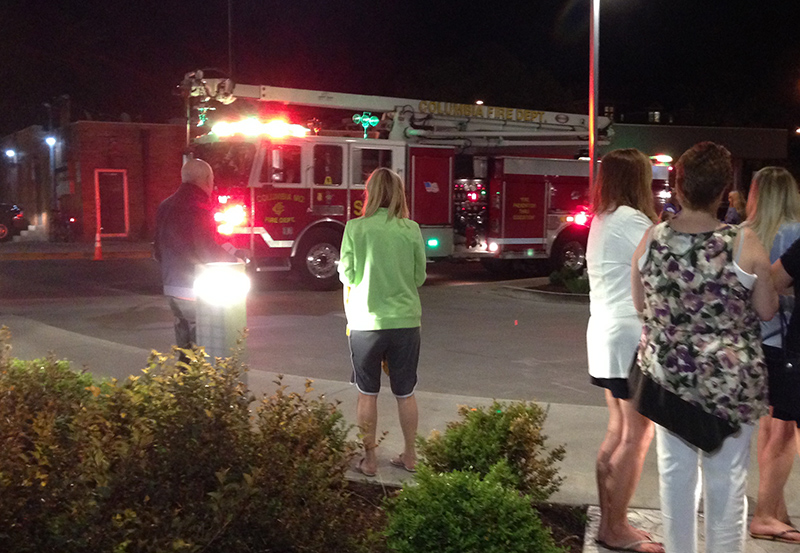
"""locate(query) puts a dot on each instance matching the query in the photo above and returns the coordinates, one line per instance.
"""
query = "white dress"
(614, 327)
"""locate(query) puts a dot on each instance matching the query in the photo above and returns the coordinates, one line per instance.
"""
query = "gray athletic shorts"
(400, 348)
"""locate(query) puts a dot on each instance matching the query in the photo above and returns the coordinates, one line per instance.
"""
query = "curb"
(544, 295)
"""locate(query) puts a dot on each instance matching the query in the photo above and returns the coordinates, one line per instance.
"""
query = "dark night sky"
(705, 61)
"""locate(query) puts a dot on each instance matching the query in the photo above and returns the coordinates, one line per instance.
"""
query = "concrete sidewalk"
(580, 428)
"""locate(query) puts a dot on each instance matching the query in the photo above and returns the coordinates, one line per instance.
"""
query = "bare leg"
(619, 469)
(603, 467)
(367, 420)
(409, 419)
(775, 458)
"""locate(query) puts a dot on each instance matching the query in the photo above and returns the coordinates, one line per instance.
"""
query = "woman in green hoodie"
(382, 264)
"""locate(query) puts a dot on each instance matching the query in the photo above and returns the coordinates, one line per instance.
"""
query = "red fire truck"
(497, 184)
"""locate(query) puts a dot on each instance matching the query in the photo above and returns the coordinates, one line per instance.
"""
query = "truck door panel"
(329, 190)
(280, 200)
(431, 185)
(524, 222)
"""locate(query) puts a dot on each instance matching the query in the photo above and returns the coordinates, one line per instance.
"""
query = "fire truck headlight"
(493, 247)
(433, 242)
(222, 284)
(581, 218)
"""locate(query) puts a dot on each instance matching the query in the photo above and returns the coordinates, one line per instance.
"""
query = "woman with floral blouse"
(702, 287)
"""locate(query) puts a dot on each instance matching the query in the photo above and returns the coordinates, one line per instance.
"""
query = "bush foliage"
(170, 460)
(460, 512)
(484, 437)
(576, 282)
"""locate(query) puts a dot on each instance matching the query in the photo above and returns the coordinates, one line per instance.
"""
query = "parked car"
(12, 221)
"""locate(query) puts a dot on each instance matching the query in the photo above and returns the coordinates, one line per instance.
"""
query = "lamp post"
(594, 54)
(51, 142)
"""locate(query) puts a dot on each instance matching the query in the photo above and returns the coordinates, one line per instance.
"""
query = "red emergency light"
(230, 217)
(276, 128)
(581, 217)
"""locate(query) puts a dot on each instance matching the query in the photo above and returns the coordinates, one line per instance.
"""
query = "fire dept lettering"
(358, 205)
(277, 220)
(278, 208)
(485, 112)
(523, 209)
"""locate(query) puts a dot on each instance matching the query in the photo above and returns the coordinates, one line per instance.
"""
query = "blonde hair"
(385, 189)
(774, 200)
(625, 178)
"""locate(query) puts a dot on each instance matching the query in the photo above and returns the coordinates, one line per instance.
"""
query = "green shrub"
(576, 282)
(503, 432)
(170, 460)
(458, 512)
(39, 454)
(300, 446)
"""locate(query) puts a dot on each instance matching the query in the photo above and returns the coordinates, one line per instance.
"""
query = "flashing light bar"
(277, 128)
(662, 158)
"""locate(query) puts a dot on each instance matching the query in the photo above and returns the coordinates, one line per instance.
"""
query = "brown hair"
(625, 178)
(702, 174)
(385, 189)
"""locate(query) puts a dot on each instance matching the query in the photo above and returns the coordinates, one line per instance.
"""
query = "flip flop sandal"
(632, 547)
(360, 468)
(399, 463)
(779, 537)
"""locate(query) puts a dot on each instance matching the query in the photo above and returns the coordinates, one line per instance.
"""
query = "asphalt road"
(480, 338)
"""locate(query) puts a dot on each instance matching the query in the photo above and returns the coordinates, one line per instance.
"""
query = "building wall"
(150, 155)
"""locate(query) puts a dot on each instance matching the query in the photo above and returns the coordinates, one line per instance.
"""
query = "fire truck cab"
(287, 199)
(482, 182)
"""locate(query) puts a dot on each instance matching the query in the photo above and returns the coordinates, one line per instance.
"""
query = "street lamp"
(594, 54)
(51, 142)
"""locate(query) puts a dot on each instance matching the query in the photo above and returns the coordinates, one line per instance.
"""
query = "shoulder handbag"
(783, 369)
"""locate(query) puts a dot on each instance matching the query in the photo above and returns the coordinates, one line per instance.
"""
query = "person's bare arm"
(780, 278)
(754, 259)
(637, 290)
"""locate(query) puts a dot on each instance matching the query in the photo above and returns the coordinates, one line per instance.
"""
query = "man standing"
(184, 239)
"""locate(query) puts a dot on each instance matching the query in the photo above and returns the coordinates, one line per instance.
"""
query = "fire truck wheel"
(316, 260)
(569, 252)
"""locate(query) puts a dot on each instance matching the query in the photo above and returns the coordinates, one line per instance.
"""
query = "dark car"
(12, 221)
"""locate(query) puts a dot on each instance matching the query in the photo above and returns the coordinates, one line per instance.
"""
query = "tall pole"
(230, 39)
(594, 55)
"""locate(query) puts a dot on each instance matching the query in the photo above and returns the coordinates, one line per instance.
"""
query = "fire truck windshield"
(232, 162)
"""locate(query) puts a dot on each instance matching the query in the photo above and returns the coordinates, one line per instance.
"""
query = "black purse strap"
(784, 325)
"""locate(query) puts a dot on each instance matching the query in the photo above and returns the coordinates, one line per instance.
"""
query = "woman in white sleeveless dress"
(622, 202)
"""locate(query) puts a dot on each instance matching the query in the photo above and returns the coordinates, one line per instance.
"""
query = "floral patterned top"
(701, 336)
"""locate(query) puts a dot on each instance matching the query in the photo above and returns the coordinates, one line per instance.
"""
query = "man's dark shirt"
(185, 238)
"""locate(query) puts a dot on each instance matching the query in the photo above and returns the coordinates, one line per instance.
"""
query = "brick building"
(110, 175)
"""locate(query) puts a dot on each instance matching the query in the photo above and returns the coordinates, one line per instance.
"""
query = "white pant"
(724, 479)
